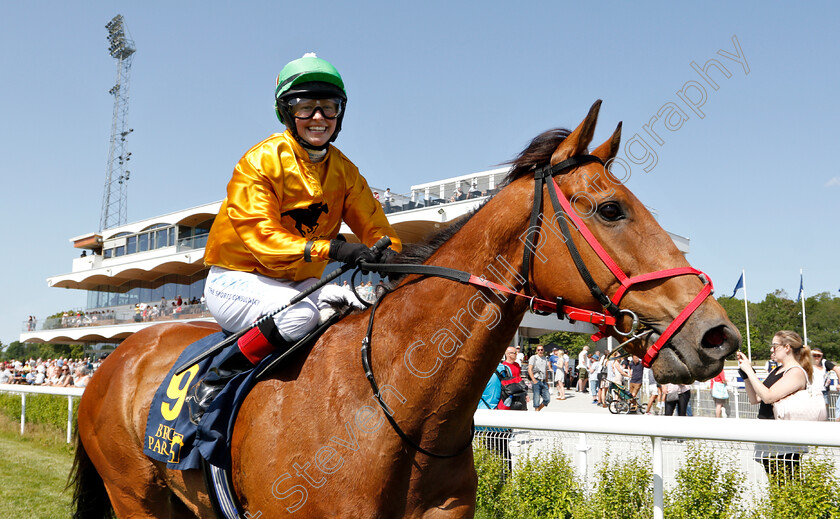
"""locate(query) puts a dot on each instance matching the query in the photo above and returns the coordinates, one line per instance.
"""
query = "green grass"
(33, 473)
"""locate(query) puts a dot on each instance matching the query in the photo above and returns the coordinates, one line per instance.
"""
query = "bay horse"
(311, 441)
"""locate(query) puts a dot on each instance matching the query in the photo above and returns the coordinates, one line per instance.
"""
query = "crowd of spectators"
(390, 203)
(60, 372)
(140, 312)
(177, 309)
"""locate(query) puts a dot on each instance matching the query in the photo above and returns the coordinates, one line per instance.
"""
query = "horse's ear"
(609, 149)
(578, 140)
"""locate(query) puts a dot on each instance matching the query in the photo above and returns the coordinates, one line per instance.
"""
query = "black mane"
(537, 153)
(417, 253)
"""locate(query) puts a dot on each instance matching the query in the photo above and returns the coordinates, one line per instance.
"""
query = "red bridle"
(560, 202)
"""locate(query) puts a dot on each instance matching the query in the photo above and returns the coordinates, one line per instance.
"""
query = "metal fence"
(587, 439)
(69, 392)
(738, 405)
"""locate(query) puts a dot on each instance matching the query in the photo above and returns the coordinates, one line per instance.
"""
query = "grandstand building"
(127, 271)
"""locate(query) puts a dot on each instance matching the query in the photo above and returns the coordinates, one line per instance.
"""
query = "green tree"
(574, 342)
(823, 320)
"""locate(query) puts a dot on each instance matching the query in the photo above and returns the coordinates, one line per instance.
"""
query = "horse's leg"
(134, 485)
(112, 420)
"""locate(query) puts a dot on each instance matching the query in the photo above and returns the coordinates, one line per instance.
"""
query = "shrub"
(623, 490)
(542, 486)
(50, 410)
(490, 468)
(707, 487)
(814, 494)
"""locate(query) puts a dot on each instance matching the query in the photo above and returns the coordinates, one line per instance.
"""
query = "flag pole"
(747, 314)
(802, 297)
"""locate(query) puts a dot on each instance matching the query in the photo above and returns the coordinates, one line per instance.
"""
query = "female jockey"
(276, 230)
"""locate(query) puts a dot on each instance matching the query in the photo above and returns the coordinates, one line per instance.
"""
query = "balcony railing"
(110, 318)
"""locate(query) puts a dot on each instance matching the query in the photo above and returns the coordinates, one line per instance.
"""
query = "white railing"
(587, 426)
(69, 392)
(658, 431)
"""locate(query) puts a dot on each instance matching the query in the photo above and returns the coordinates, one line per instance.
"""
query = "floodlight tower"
(115, 197)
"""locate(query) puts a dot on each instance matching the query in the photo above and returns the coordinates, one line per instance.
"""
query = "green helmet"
(309, 76)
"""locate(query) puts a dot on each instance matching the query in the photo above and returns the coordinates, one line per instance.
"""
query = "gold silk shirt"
(278, 200)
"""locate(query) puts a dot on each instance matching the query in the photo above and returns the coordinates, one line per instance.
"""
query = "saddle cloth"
(171, 437)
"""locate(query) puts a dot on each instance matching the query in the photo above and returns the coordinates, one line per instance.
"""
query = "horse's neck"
(446, 338)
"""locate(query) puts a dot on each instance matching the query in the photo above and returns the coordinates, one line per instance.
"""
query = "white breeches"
(237, 299)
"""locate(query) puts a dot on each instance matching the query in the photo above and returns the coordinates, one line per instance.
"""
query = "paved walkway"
(574, 403)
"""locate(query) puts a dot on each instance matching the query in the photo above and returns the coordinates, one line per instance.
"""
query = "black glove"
(351, 253)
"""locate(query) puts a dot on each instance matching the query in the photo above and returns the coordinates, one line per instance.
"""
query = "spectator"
(567, 372)
(519, 355)
(498, 439)
(6, 376)
(583, 369)
(822, 369)
(793, 374)
(474, 192)
(594, 371)
(659, 396)
(65, 379)
(837, 410)
(677, 397)
(720, 400)
(388, 200)
(520, 403)
(457, 195)
(555, 362)
(537, 367)
(82, 377)
(40, 375)
(615, 373)
(637, 371)
(492, 391)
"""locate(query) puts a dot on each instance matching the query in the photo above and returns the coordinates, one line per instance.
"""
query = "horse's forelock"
(538, 152)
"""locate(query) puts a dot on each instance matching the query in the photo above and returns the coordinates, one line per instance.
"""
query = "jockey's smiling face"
(316, 129)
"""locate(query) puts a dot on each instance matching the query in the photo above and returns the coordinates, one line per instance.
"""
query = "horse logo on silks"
(307, 217)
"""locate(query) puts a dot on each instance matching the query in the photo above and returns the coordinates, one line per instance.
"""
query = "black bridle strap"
(541, 179)
(366, 344)
(594, 289)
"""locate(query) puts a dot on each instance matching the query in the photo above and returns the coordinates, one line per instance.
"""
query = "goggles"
(304, 108)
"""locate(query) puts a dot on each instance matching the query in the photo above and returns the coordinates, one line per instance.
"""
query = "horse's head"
(673, 305)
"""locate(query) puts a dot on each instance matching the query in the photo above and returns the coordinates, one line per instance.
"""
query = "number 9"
(177, 392)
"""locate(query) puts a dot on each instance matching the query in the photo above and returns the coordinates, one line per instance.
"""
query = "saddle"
(171, 437)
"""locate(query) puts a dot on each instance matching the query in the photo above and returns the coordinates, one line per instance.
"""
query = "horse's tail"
(90, 499)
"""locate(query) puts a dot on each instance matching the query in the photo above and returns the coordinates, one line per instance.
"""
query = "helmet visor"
(304, 108)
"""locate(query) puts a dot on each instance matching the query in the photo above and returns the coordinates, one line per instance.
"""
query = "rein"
(388, 412)
(535, 305)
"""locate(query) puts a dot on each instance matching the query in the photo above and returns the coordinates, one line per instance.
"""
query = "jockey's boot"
(253, 346)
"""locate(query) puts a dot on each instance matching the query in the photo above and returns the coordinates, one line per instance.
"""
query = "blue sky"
(437, 89)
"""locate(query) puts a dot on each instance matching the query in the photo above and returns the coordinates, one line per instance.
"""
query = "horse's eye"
(610, 211)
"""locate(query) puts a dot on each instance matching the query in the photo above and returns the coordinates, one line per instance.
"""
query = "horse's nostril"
(714, 337)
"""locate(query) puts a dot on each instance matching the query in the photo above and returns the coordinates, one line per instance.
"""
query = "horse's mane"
(417, 253)
(537, 152)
